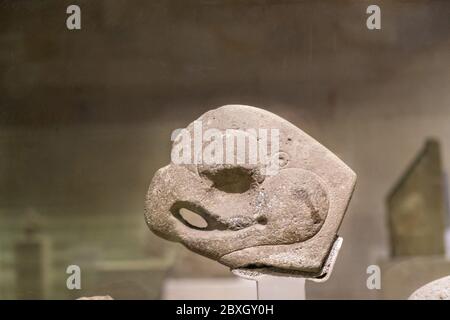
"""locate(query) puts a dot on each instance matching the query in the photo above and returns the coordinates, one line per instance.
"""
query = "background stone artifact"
(436, 290)
(416, 206)
(286, 222)
(416, 220)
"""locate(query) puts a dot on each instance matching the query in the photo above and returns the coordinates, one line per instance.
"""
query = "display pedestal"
(280, 288)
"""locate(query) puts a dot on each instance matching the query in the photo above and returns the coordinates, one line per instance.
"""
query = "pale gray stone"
(436, 290)
(401, 276)
(286, 222)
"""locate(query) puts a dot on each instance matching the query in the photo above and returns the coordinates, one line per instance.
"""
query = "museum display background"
(86, 118)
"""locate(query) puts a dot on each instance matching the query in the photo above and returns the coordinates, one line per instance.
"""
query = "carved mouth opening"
(262, 268)
(251, 266)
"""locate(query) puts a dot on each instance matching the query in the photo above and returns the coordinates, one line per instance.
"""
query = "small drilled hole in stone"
(283, 159)
(261, 220)
(193, 219)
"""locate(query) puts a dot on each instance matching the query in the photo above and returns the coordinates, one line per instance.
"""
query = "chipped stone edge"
(324, 275)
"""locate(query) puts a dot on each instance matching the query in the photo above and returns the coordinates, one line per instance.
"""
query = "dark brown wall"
(85, 116)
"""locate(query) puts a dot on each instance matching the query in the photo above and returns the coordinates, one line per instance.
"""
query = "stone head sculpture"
(272, 197)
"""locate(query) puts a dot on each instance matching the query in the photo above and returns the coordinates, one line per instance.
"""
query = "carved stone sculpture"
(283, 220)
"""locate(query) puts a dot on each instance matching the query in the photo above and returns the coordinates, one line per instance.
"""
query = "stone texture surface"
(287, 221)
(436, 290)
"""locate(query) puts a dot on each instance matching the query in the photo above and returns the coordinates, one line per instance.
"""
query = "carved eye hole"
(231, 180)
(194, 220)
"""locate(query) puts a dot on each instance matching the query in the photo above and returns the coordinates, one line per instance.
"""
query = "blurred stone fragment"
(435, 290)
